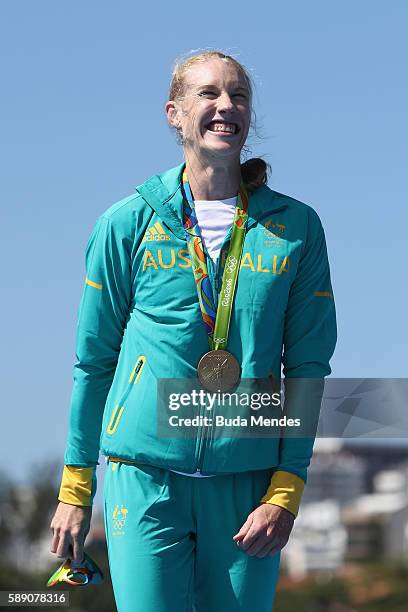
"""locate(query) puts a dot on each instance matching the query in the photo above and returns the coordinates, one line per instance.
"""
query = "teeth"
(223, 127)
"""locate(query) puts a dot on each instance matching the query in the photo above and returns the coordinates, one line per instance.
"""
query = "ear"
(173, 114)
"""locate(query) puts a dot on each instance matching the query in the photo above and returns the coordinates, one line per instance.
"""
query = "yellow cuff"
(76, 486)
(285, 490)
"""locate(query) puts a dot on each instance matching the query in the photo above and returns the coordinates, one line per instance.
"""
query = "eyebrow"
(237, 87)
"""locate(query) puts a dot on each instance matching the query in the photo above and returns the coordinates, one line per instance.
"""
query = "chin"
(224, 149)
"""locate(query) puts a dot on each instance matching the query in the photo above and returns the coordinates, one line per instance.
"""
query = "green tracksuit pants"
(170, 541)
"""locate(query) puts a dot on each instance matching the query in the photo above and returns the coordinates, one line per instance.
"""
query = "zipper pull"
(139, 365)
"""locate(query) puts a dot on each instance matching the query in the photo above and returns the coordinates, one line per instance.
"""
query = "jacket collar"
(163, 193)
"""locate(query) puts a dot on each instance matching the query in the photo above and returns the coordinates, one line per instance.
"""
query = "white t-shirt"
(214, 219)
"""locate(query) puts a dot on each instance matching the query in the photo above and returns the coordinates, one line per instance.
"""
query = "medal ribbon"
(216, 323)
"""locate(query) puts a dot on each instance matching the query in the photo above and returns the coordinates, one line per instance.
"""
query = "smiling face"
(214, 112)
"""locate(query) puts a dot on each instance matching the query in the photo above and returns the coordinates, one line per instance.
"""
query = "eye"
(207, 94)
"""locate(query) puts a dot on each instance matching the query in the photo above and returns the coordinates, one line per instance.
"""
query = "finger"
(239, 539)
(239, 536)
(244, 529)
(54, 543)
(269, 549)
(264, 552)
(268, 538)
(250, 538)
(257, 546)
(78, 551)
(62, 550)
(277, 547)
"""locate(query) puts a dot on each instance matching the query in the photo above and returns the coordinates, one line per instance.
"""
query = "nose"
(224, 102)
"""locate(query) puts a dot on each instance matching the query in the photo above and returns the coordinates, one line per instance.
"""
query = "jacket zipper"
(200, 439)
(120, 406)
(216, 284)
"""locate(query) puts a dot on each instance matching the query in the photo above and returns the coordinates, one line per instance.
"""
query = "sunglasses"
(82, 574)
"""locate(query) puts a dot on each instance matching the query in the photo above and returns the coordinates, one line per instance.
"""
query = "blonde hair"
(254, 171)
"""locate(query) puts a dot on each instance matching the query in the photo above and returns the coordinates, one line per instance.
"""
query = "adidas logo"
(155, 233)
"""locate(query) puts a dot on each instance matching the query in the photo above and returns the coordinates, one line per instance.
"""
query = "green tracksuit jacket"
(139, 320)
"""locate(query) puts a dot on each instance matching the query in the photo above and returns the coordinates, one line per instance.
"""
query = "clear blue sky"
(83, 90)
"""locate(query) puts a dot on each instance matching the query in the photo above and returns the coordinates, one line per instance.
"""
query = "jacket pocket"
(119, 408)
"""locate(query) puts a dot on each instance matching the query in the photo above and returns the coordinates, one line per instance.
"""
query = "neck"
(213, 181)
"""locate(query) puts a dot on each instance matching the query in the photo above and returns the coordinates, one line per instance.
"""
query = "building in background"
(318, 541)
(334, 473)
(377, 523)
(352, 508)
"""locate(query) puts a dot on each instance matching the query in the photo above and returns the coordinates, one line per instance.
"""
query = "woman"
(195, 520)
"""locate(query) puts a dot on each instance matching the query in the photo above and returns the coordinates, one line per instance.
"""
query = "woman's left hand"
(266, 530)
